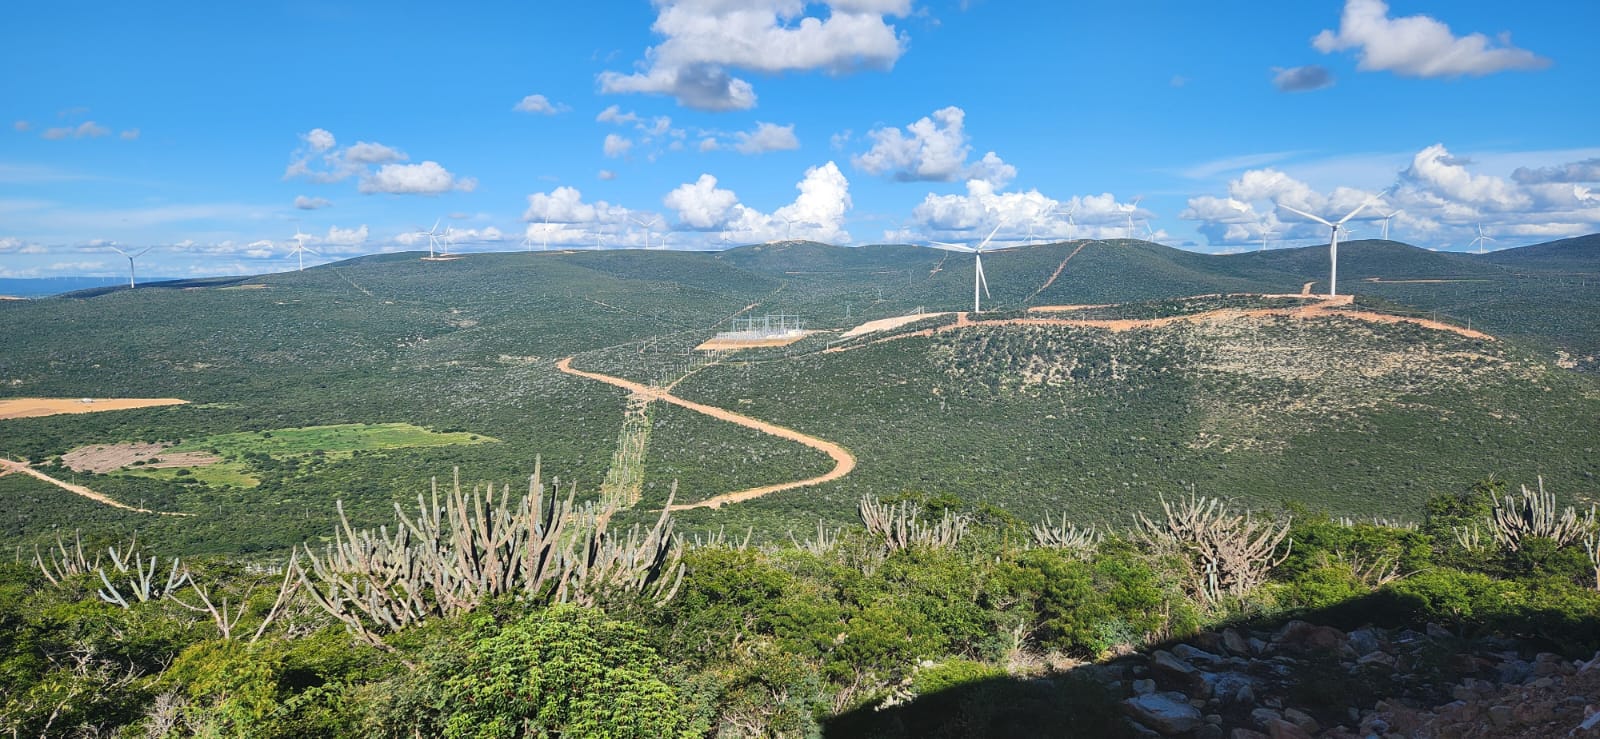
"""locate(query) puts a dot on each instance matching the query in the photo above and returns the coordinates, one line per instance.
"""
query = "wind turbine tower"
(1386, 223)
(130, 257)
(1333, 238)
(1482, 239)
(1266, 233)
(1133, 207)
(647, 224)
(433, 236)
(978, 282)
(300, 249)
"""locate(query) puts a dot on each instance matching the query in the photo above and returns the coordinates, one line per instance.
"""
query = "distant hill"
(1354, 417)
(42, 286)
(1579, 255)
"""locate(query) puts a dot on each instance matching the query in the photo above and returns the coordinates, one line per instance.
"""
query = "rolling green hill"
(1032, 418)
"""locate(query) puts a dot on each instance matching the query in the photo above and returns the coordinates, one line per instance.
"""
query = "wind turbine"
(978, 282)
(432, 235)
(1266, 233)
(130, 257)
(300, 249)
(1133, 207)
(1482, 239)
(449, 236)
(1072, 226)
(788, 230)
(647, 224)
(1386, 223)
(1333, 238)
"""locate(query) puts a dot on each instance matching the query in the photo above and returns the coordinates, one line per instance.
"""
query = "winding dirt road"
(14, 466)
(843, 460)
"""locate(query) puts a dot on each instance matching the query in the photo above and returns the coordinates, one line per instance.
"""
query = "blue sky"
(213, 133)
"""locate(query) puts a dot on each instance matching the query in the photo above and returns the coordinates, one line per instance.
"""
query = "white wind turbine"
(1386, 223)
(1133, 207)
(978, 282)
(447, 241)
(788, 229)
(130, 257)
(1482, 239)
(1333, 238)
(1072, 226)
(1266, 233)
(647, 224)
(300, 248)
(433, 236)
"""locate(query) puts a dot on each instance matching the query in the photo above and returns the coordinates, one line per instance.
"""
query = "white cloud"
(821, 206)
(614, 114)
(130, 134)
(346, 236)
(87, 129)
(701, 205)
(371, 153)
(304, 203)
(934, 148)
(709, 143)
(607, 175)
(766, 137)
(561, 205)
(21, 126)
(1440, 198)
(1019, 214)
(704, 39)
(427, 178)
(539, 104)
(616, 146)
(1418, 45)
(318, 139)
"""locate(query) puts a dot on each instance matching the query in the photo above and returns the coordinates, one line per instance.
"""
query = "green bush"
(952, 673)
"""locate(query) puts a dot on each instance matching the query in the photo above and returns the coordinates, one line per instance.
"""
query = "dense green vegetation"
(789, 639)
(1034, 420)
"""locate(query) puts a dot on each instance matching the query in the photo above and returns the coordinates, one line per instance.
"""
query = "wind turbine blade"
(119, 251)
(984, 281)
(435, 225)
(957, 247)
(989, 237)
(1318, 219)
(1360, 207)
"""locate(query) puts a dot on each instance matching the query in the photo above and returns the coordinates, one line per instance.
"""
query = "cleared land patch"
(103, 458)
(723, 345)
(36, 407)
(888, 324)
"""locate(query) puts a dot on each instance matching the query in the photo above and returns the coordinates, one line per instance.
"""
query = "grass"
(338, 440)
(222, 474)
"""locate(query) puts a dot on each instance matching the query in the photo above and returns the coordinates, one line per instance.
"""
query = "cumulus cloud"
(427, 178)
(378, 167)
(615, 146)
(1587, 170)
(130, 134)
(561, 205)
(607, 175)
(346, 236)
(701, 205)
(615, 114)
(21, 126)
(539, 104)
(1419, 45)
(1021, 216)
(1301, 79)
(1437, 198)
(705, 39)
(764, 138)
(934, 148)
(304, 203)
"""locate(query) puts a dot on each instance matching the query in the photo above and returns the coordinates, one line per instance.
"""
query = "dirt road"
(843, 460)
(13, 466)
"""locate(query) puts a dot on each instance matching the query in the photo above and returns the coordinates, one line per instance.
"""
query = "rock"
(1171, 672)
(1435, 631)
(1144, 687)
(1500, 715)
(1246, 695)
(1261, 716)
(1235, 643)
(1281, 729)
(1257, 646)
(1377, 658)
(1299, 636)
(1163, 713)
(1209, 731)
(1301, 719)
(1232, 687)
(1195, 656)
(1243, 733)
(1365, 641)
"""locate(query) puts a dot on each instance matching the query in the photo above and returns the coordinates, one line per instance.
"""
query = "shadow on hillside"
(1085, 701)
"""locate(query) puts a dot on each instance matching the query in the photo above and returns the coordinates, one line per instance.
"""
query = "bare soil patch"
(103, 458)
(35, 407)
(886, 324)
(14, 466)
(724, 345)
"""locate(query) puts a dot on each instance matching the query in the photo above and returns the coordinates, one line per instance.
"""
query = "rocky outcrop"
(1306, 680)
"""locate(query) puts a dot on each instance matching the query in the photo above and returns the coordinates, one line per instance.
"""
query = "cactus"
(1066, 535)
(1535, 515)
(1229, 554)
(901, 527)
(455, 554)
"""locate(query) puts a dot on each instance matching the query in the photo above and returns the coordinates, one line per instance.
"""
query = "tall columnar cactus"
(1229, 554)
(1066, 535)
(1535, 514)
(455, 554)
(901, 526)
(1591, 547)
